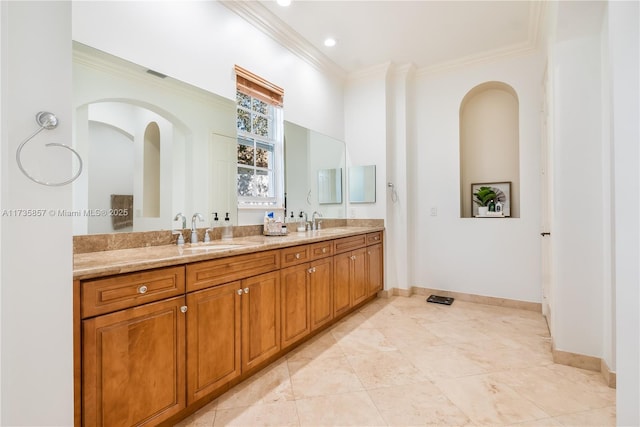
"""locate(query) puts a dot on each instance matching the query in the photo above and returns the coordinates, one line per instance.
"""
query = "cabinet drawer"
(204, 274)
(101, 296)
(349, 243)
(373, 238)
(295, 255)
(322, 249)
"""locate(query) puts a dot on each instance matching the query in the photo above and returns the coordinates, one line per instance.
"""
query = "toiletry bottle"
(215, 223)
(227, 230)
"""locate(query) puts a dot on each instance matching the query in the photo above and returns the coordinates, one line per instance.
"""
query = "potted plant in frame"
(482, 197)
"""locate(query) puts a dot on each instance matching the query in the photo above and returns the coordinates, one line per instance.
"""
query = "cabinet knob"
(142, 289)
(297, 256)
(239, 291)
(246, 290)
(324, 250)
(353, 257)
(183, 309)
(376, 238)
(312, 270)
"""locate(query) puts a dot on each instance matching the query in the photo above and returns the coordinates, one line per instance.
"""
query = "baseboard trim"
(479, 299)
(582, 361)
(608, 375)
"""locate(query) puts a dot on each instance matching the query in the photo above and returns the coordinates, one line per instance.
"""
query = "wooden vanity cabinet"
(321, 291)
(374, 263)
(134, 365)
(350, 276)
(306, 290)
(133, 344)
(260, 319)
(214, 339)
(296, 299)
(155, 342)
(232, 327)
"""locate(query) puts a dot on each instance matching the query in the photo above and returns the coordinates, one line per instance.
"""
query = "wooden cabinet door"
(213, 339)
(374, 269)
(134, 365)
(260, 318)
(359, 289)
(341, 283)
(294, 291)
(321, 291)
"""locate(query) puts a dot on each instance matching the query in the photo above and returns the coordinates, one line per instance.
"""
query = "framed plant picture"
(496, 191)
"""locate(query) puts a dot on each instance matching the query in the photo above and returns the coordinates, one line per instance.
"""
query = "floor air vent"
(440, 300)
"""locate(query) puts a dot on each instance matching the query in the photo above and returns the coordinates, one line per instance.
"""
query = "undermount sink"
(213, 247)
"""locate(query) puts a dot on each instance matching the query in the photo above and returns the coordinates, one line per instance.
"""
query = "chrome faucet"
(178, 217)
(194, 230)
(315, 224)
(306, 220)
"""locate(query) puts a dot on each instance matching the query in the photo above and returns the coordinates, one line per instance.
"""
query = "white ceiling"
(428, 34)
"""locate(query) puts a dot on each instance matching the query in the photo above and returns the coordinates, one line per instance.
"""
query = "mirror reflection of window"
(362, 184)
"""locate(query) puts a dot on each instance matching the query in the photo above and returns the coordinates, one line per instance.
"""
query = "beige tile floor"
(404, 362)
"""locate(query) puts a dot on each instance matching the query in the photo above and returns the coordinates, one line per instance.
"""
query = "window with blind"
(260, 159)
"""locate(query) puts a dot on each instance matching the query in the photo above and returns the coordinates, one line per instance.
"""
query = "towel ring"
(47, 121)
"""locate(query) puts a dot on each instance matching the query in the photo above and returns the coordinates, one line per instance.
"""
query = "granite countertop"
(105, 263)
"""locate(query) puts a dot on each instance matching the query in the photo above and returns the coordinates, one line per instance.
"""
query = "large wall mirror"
(162, 146)
(313, 172)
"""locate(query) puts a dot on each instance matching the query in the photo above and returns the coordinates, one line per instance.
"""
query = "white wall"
(624, 48)
(578, 196)
(493, 257)
(37, 363)
(199, 43)
(366, 134)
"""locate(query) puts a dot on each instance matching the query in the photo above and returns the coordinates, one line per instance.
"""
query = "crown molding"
(536, 23)
(261, 18)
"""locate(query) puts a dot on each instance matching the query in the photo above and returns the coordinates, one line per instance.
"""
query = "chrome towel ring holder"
(47, 121)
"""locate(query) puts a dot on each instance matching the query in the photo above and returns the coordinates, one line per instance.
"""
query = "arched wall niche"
(489, 143)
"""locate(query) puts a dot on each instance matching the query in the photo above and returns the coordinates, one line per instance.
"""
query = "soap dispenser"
(227, 230)
(215, 223)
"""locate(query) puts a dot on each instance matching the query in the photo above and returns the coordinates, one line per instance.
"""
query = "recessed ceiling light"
(283, 2)
(330, 42)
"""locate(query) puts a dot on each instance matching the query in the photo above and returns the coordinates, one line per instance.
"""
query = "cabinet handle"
(239, 291)
(183, 309)
(312, 270)
(297, 256)
(142, 289)
(324, 250)
(246, 290)
(376, 238)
